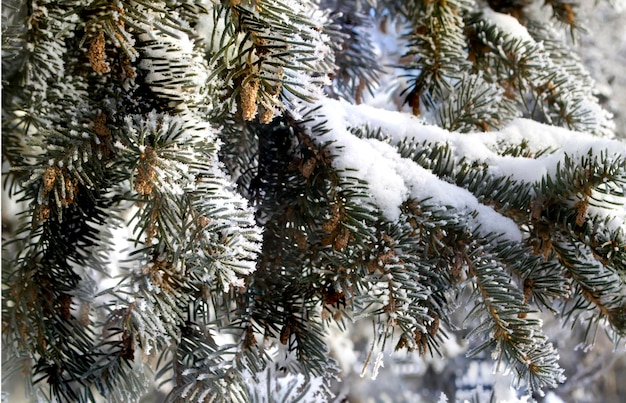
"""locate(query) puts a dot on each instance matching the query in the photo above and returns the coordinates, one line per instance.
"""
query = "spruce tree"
(205, 191)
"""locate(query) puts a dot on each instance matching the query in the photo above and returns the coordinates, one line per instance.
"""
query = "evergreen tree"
(283, 168)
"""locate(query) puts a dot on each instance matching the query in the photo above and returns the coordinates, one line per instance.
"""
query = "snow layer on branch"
(392, 179)
(507, 24)
(482, 146)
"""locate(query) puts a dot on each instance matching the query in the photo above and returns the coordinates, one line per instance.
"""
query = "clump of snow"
(507, 24)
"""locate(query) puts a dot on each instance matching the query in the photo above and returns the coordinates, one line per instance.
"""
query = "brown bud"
(301, 239)
(129, 70)
(97, 54)
(128, 350)
(143, 182)
(331, 224)
(100, 126)
(70, 191)
(341, 241)
(49, 178)
(203, 221)
(249, 93)
(43, 213)
(267, 115)
(285, 333)
(308, 166)
(65, 305)
(581, 211)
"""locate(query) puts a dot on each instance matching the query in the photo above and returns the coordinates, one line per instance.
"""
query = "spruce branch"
(525, 68)
(436, 48)
(192, 150)
(515, 338)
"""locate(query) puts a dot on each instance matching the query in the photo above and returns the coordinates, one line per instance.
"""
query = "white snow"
(507, 24)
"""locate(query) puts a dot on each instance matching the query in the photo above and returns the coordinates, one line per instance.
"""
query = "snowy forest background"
(593, 375)
(604, 53)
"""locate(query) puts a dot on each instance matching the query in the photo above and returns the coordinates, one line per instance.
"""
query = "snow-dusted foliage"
(312, 200)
